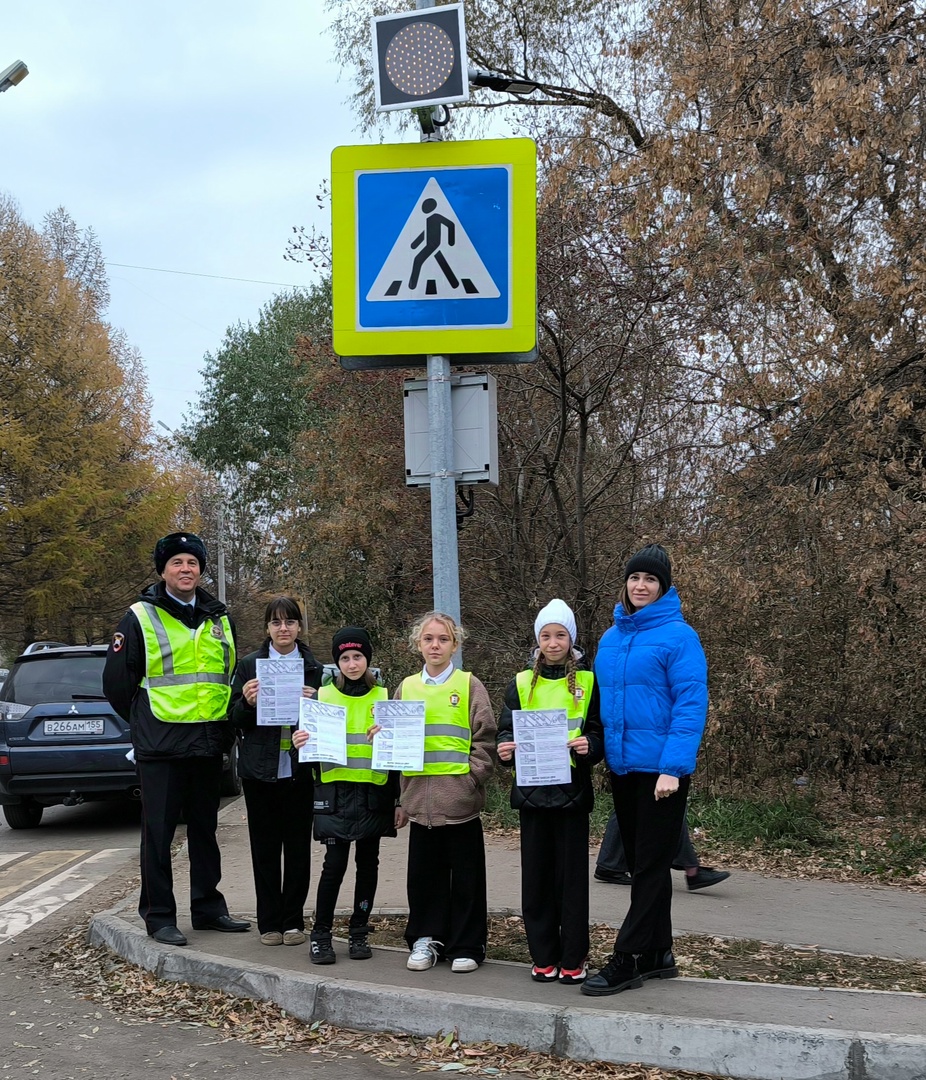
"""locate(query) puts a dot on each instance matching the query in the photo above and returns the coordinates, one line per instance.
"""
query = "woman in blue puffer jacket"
(652, 676)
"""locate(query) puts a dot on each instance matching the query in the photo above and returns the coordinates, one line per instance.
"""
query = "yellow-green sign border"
(347, 161)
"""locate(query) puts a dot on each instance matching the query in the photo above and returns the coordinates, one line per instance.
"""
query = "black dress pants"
(554, 886)
(650, 829)
(366, 878)
(169, 789)
(280, 832)
(611, 856)
(447, 888)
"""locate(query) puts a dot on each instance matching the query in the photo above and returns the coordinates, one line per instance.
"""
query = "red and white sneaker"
(573, 976)
(544, 974)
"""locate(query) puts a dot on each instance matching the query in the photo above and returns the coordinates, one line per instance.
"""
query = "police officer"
(168, 674)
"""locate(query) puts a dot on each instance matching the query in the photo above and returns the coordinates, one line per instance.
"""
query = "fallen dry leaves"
(138, 997)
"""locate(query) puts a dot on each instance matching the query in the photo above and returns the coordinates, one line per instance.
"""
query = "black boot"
(358, 948)
(321, 951)
(619, 973)
(657, 965)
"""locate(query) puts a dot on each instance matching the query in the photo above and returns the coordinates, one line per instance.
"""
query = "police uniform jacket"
(259, 748)
(578, 794)
(154, 739)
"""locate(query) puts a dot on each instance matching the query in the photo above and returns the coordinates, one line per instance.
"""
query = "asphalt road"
(48, 1031)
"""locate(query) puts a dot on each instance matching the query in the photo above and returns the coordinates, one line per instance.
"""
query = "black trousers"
(611, 855)
(447, 888)
(650, 829)
(366, 862)
(280, 832)
(554, 886)
(169, 789)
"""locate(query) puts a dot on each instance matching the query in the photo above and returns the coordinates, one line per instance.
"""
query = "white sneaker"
(424, 954)
(463, 963)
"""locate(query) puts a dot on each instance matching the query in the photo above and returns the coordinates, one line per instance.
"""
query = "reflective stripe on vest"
(447, 733)
(187, 672)
(359, 750)
(554, 694)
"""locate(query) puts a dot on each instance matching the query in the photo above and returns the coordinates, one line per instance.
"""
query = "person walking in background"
(353, 802)
(652, 675)
(447, 907)
(277, 788)
(554, 818)
(168, 675)
(611, 864)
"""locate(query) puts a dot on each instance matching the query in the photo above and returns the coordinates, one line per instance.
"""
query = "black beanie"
(653, 559)
(351, 637)
(179, 543)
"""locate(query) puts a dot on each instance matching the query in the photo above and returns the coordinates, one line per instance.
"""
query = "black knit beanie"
(653, 559)
(351, 637)
(179, 543)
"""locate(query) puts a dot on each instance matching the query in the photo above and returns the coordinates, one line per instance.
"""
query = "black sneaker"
(619, 973)
(614, 877)
(358, 948)
(706, 877)
(657, 965)
(321, 950)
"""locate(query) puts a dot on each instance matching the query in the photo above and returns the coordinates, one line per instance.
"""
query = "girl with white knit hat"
(554, 817)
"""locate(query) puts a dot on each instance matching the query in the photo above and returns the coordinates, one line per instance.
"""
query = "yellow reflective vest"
(359, 750)
(187, 672)
(554, 694)
(447, 732)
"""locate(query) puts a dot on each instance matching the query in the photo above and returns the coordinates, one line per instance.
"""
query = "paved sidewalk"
(732, 1029)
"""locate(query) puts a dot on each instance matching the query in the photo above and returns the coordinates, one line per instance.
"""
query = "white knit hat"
(557, 611)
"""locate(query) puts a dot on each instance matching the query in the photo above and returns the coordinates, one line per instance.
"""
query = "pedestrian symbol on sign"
(433, 258)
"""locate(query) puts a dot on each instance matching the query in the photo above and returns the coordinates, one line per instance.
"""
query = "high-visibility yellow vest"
(554, 694)
(187, 672)
(359, 750)
(447, 734)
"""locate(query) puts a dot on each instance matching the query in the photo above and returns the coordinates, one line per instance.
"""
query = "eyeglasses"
(278, 624)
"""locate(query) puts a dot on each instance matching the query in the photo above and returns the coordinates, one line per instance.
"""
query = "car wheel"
(231, 781)
(23, 815)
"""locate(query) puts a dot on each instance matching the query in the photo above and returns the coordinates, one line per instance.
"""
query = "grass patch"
(701, 956)
(792, 823)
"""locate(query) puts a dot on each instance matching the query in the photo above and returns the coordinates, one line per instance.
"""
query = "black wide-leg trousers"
(650, 829)
(447, 888)
(554, 886)
(280, 832)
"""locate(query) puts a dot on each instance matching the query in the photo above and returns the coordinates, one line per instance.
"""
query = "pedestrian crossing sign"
(434, 247)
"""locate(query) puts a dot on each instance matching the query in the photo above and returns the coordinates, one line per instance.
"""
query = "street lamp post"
(13, 75)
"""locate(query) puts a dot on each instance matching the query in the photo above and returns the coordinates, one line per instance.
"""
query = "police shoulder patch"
(118, 642)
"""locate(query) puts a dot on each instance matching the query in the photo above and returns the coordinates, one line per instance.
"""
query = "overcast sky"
(191, 136)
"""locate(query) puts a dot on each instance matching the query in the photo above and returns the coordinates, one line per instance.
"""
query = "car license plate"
(74, 727)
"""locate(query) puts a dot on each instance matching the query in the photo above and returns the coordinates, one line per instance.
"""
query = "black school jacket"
(259, 747)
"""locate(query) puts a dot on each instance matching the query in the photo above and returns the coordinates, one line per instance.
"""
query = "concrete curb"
(740, 1050)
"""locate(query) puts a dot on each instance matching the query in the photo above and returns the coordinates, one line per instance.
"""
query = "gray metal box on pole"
(474, 408)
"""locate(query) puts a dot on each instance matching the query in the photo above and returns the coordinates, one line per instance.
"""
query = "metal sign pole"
(444, 553)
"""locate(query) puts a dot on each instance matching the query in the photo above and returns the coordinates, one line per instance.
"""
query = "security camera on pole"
(435, 260)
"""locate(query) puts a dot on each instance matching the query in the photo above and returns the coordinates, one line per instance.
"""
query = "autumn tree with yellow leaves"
(81, 496)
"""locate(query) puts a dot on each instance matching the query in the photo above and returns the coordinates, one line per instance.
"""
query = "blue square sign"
(434, 248)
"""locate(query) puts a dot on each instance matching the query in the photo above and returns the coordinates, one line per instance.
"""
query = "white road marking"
(27, 909)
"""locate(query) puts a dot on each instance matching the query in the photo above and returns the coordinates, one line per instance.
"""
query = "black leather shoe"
(619, 973)
(169, 935)
(226, 924)
(613, 877)
(657, 965)
(706, 877)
